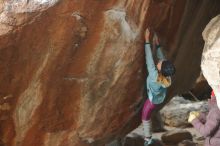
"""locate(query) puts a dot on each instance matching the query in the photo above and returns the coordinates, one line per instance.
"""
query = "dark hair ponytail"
(167, 68)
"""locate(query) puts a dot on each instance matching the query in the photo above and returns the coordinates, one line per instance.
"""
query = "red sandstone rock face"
(73, 71)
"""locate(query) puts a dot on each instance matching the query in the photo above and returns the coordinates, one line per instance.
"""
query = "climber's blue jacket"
(156, 83)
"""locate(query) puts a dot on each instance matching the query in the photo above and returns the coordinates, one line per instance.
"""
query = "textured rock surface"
(137, 141)
(200, 91)
(131, 141)
(197, 15)
(187, 143)
(135, 135)
(16, 13)
(211, 55)
(72, 72)
(176, 136)
(182, 108)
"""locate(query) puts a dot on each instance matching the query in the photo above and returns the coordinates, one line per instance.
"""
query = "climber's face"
(159, 64)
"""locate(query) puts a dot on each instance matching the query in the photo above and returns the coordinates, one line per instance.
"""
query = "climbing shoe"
(148, 142)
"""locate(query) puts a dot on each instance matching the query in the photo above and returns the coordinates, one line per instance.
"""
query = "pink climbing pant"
(147, 110)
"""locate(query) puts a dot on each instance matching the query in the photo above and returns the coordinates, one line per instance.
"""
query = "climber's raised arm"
(152, 70)
(160, 55)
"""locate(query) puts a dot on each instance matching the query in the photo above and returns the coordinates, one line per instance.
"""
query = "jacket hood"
(164, 81)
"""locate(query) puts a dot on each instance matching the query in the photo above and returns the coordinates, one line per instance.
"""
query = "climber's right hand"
(156, 41)
(147, 35)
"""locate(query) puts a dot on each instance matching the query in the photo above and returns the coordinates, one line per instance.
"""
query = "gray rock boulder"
(176, 112)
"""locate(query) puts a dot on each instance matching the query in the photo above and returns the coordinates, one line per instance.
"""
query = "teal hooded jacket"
(156, 83)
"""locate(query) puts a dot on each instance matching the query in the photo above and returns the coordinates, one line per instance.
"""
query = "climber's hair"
(167, 68)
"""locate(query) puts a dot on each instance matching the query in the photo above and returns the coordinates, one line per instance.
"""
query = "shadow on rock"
(187, 143)
(138, 141)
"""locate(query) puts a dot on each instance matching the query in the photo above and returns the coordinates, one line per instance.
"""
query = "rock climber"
(158, 80)
(208, 125)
